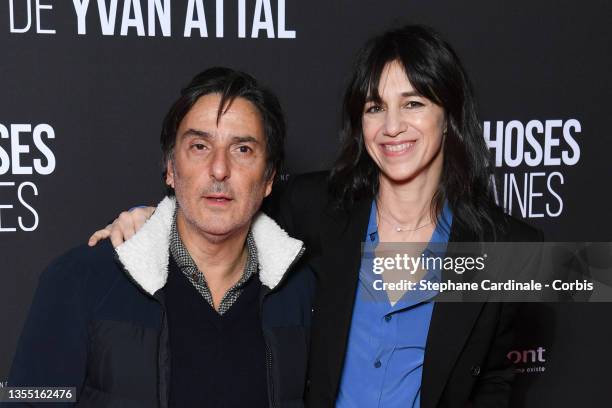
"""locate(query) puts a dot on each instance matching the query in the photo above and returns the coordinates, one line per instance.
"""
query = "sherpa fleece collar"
(145, 255)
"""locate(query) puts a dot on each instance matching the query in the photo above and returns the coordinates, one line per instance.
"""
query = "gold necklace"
(396, 226)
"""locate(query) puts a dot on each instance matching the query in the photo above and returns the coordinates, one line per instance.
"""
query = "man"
(207, 305)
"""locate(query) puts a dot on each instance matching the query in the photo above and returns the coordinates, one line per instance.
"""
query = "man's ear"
(169, 173)
(269, 183)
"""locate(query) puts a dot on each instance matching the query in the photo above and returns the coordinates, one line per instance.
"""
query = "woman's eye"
(373, 109)
(414, 104)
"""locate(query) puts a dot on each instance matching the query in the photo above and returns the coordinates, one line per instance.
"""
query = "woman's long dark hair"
(434, 70)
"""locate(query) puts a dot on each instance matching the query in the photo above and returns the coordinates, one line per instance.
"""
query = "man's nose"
(394, 123)
(220, 166)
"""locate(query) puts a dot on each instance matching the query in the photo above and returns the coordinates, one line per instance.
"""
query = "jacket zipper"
(271, 396)
(162, 379)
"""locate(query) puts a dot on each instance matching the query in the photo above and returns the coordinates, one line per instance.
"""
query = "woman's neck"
(407, 203)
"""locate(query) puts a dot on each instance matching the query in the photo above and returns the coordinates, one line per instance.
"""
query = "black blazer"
(465, 359)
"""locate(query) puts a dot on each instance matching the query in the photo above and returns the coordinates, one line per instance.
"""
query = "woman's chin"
(400, 177)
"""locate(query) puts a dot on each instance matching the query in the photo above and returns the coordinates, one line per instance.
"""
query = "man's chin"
(219, 232)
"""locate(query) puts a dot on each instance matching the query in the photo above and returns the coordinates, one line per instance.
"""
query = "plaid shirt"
(197, 279)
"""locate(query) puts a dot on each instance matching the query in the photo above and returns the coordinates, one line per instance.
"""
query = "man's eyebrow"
(207, 135)
(245, 139)
(196, 133)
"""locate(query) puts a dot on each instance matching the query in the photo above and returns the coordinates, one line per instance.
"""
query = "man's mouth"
(218, 198)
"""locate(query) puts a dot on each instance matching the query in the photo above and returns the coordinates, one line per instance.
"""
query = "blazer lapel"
(449, 329)
(338, 276)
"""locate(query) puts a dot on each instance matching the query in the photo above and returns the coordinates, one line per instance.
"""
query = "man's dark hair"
(229, 84)
(435, 71)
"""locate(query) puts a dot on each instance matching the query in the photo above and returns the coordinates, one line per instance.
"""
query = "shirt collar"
(436, 246)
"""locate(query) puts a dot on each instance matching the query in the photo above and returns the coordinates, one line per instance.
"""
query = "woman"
(413, 168)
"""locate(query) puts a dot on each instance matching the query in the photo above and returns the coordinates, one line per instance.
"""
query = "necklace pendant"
(398, 229)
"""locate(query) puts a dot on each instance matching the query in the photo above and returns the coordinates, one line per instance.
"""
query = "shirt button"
(475, 370)
(377, 364)
(388, 318)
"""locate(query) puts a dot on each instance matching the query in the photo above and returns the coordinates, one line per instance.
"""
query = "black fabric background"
(105, 97)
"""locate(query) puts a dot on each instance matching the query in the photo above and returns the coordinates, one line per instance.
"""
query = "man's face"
(217, 170)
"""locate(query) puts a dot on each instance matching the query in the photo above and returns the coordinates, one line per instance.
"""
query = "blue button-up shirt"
(386, 346)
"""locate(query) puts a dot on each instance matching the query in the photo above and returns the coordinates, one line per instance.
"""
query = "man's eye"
(244, 149)
(198, 146)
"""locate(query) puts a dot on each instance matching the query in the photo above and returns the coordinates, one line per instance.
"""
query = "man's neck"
(222, 261)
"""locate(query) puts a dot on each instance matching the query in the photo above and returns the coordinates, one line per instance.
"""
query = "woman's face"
(404, 132)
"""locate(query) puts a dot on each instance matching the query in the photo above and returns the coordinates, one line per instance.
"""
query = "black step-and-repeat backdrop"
(85, 83)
